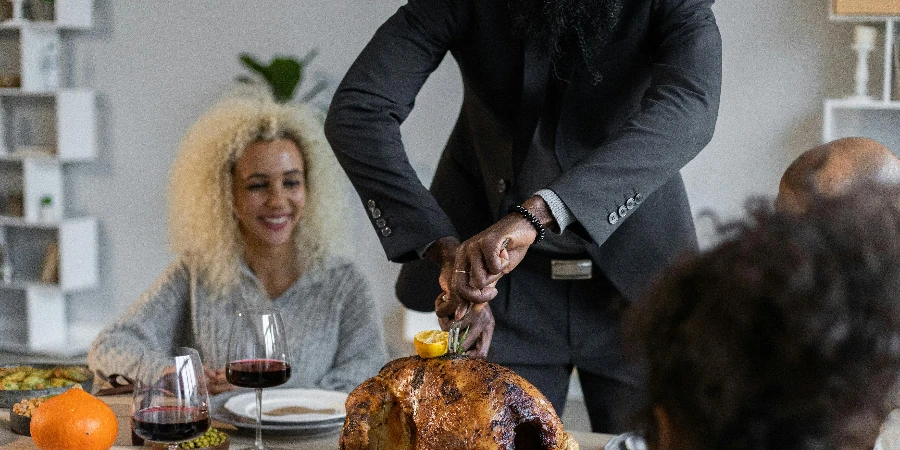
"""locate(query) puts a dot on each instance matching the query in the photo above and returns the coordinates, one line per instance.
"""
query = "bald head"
(834, 168)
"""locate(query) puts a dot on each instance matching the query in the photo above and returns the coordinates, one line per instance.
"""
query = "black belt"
(560, 266)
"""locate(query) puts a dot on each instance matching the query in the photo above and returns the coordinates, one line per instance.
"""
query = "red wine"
(170, 423)
(136, 440)
(258, 373)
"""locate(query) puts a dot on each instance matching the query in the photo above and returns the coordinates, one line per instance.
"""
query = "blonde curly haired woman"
(252, 200)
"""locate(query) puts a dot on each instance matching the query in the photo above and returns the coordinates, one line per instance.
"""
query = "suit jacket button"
(638, 197)
(386, 231)
(371, 204)
(613, 218)
(501, 185)
(380, 223)
(622, 211)
(376, 213)
(630, 203)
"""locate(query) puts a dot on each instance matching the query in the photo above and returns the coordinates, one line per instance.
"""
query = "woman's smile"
(269, 192)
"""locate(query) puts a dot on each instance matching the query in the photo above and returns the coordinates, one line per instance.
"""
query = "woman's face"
(269, 189)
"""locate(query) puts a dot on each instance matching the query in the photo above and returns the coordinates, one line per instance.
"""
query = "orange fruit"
(431, 343)
(74, 420)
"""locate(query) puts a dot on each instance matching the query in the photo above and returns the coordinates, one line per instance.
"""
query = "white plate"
(308, 405)
(246, 425)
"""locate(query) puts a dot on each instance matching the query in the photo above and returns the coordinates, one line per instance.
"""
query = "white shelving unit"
(879, 117)
(43, 128)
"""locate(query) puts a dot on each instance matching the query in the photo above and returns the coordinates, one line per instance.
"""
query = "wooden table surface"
(121, 406)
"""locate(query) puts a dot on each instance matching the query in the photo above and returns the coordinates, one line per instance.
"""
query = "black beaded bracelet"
(524, 212)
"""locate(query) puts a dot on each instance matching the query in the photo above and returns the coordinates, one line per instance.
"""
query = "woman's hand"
(216, 382)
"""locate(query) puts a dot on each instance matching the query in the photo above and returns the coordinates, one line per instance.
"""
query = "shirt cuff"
(421, 250)
(561, 213)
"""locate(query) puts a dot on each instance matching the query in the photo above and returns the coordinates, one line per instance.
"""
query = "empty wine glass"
(258, 356)
(170, 403)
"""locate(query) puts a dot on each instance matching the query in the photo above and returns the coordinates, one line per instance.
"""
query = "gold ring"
(460, 271)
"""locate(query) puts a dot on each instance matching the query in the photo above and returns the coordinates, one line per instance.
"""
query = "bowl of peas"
(213, 439)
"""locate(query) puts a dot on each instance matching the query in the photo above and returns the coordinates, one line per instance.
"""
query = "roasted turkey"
(450, 403)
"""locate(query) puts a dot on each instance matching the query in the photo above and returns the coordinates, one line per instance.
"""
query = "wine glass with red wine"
(170, 403)
(258, 356)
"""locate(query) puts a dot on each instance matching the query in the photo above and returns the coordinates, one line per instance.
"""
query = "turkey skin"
(450, 403)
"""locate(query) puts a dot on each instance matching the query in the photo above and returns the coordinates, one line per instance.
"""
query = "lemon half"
(431, 343)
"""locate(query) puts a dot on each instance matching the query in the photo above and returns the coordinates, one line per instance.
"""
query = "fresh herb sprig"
(456, 346)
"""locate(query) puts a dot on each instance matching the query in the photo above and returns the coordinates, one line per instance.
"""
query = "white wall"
(157, 65)
(781, 59)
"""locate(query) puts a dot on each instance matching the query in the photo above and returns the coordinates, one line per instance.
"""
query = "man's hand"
(476, 321)
(444, 253)
(483, 259)
(470, 271)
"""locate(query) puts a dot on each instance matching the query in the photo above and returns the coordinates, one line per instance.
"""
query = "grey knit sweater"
(331, 321)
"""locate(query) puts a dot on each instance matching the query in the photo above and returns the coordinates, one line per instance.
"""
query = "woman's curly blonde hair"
(203, 228)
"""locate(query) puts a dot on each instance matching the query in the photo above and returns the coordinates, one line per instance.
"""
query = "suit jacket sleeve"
(675, 121)
(363, 123)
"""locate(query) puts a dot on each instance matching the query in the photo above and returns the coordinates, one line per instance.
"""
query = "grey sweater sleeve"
(154, 321)
(362, 351)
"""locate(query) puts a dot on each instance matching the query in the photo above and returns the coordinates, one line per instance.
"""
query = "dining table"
(121, 406)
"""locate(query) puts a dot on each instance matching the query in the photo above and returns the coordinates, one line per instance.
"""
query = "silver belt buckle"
(571, 269)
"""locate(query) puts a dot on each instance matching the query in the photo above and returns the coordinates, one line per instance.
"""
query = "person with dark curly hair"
(784, 336)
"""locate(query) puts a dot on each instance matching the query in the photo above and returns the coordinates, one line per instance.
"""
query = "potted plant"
(283, 75)
(46, 210)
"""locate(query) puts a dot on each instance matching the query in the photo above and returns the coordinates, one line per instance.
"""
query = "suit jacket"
(620, 142)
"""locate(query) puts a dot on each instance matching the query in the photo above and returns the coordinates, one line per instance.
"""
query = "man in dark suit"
(564, 162)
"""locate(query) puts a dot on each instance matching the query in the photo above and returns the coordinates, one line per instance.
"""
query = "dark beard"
(568, 28)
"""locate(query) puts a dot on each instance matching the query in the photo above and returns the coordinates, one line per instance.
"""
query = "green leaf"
(309, 56)
(252, 63)
(457, 348)
(283, 76)
(305, 60)
(312, 93)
